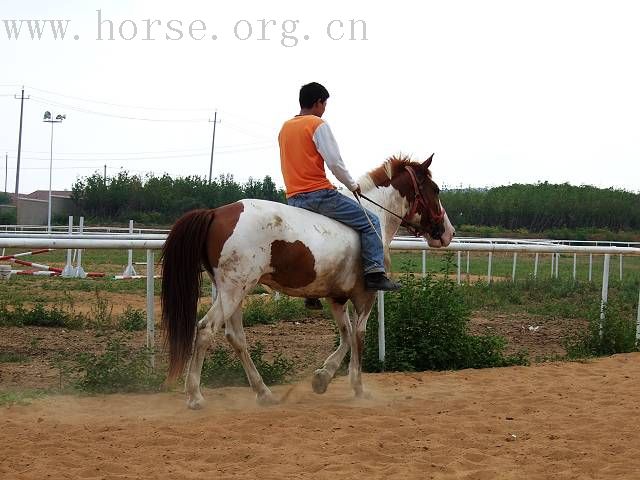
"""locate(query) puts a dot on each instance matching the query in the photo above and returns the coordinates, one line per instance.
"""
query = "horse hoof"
(320, 382)
(267, 400)
(196, 403)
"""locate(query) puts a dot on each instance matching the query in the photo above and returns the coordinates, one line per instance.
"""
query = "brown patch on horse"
(293, 264)
(224, 223)
(390, 173)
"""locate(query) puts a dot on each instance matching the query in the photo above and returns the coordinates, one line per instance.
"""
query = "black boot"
(313, 303)
(379, 281)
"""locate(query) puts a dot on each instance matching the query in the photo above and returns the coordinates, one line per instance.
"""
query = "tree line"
(544, 206)
(536, 207)
(161, 200)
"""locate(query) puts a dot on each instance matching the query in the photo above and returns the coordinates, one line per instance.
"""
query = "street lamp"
(47, 119)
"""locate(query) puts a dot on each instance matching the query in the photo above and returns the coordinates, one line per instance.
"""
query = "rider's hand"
(356, 191)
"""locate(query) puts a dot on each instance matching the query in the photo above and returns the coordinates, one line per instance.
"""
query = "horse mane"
(382, 175)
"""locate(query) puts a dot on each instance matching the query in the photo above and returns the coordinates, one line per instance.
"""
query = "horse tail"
(183, 255)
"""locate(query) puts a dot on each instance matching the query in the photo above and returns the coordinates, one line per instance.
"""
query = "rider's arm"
(328, 148)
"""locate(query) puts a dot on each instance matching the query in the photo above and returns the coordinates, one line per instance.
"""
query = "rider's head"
(313, 99)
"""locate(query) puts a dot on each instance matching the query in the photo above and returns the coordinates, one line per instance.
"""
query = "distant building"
(33, 208)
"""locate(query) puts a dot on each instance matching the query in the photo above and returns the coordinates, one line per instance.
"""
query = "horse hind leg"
(323, 376)
(234, 332)
(208, 326)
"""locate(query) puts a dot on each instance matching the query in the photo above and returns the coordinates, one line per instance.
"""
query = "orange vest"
(301, 163)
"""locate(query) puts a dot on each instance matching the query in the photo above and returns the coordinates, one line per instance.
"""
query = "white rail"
(151, 242)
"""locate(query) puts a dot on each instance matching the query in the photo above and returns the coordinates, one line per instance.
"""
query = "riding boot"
(313, 303)
(379, 281)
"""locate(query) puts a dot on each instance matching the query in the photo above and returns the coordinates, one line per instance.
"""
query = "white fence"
(151, 242)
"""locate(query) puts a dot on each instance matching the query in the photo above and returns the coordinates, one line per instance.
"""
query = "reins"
(418, 199)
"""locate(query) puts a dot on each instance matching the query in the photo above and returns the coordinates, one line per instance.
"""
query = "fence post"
(620, 268)
(535, 266)
(605, 289)
(468, 255)
(575, 261)
(67, 271)
(130, 271)
(513, 272)
(151, 326)
(638, 319)
(381, 340)
(489, 268)
(590, 265)
(553, 268)
(459, 266)
(557, 263)
(79, 272)
(424, 263)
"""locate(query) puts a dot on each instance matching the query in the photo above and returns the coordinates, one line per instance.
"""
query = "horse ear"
(428, 161)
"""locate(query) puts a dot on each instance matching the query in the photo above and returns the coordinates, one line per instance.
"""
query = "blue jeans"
(345, 210)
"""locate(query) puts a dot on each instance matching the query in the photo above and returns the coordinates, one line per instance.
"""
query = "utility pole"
(213, 142)
(22, 99)
(6, 170)
(105, 174)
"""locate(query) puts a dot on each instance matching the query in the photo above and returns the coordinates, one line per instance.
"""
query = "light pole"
(48, 119)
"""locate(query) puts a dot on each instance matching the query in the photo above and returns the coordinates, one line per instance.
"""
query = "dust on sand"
(553, 420)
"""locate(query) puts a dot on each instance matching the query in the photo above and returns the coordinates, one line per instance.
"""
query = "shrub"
(223, 369)
(119, 369)
(427, 329)
(132, 320)
(616, 334)
(38, 316)
(266, 310)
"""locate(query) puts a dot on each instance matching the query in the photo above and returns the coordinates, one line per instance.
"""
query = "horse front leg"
(234, 332)
(204, 339)
(357, 346)
(323, 376)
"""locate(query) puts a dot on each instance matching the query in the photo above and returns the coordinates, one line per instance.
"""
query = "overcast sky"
(502, 91)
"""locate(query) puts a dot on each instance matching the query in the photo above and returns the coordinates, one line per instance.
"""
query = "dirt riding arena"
(553, 420)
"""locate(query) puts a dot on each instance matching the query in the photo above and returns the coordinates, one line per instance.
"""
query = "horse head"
(424, 213)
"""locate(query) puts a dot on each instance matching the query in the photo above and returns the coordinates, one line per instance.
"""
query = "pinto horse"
(294, 251)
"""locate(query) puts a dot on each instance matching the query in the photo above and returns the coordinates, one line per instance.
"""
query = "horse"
(291, 250)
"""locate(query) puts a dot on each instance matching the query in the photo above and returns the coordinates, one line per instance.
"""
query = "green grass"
(12, 357)
(502, 265)
(21, 397)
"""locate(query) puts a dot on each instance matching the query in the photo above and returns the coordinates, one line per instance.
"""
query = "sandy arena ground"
(548, 421)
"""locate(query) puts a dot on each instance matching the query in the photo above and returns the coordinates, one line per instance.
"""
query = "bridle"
(418, 201)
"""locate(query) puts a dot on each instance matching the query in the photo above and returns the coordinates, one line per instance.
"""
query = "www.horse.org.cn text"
(286, 32)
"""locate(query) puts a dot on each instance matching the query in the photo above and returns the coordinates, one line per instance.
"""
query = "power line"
(152, 152)
(59, 156)
(120, 105)
(45, 101)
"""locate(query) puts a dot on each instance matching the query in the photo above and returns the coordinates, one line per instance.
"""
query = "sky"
(501, 91)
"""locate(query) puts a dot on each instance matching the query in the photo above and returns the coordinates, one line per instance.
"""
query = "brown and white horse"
(294, 251)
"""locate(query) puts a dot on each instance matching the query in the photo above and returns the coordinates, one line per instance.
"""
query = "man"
(306, 144)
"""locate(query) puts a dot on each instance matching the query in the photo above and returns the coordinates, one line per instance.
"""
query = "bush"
(616, 334)
(266, 310)
(132, 320)
(119, 369)
(222, 369)
(427, 329)
(38, 316)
